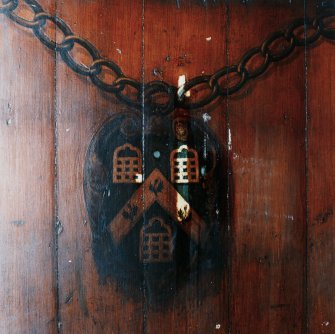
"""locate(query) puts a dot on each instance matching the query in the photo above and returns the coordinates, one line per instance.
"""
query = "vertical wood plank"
(268, 163)
(27, 293)
(190, 41)
(89, 304)
(321, 195)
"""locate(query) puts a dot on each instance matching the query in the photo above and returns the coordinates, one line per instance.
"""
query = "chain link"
(158, 96)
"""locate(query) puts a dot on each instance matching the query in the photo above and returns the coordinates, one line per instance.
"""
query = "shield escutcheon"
(154, 197)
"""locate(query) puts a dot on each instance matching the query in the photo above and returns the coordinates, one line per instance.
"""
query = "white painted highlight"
(139, 178)
(181, 82)
(206, 117)
(230, 144)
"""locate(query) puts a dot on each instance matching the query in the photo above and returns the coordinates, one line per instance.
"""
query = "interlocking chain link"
(159, 96)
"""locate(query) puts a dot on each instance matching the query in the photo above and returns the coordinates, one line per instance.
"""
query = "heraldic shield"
(154, 197)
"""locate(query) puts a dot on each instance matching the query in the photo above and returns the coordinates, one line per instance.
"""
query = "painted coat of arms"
(153, 196)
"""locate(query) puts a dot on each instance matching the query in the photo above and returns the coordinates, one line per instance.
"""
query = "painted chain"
(159, 96)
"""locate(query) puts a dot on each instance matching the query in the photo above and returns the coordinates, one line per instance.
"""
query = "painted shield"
(152, 190)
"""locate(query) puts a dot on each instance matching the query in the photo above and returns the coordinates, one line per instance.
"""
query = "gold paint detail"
(184, 164)
(156, 244)
(127, 164)
(169, 200)
(180, 129)
(184, 212)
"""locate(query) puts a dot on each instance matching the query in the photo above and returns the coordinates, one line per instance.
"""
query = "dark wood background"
(279, 134)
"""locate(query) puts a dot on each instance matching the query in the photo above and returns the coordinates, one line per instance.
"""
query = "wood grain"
(268, 163)
(277, 199)
(189, 41)
(86, 304)
(27, 257)
(321, 223)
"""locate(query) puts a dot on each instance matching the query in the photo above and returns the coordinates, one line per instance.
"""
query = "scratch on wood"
(69, 298)
(18, 222)
(59, 227)
(322, 217)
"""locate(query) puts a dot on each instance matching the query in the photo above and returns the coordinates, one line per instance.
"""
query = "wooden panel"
(268, 163)
(55, 279)
(28, 283)
(189, 41)
(88, 304)
(321, 223)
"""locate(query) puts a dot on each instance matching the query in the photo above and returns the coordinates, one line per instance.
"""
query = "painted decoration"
(152, 193)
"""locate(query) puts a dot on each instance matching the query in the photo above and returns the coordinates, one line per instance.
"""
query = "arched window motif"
(184, 165)
(156, 242)
(127, 164)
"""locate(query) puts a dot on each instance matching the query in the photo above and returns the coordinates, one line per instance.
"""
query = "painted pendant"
(153, 197)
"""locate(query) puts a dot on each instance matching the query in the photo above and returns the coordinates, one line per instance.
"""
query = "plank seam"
(227, 199)
(145, 290)
(56, 191)
(305, 278)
